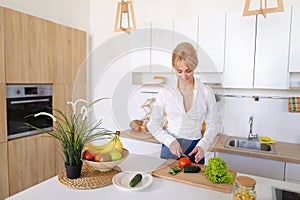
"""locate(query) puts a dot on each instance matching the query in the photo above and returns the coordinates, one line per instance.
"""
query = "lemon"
(265, 139)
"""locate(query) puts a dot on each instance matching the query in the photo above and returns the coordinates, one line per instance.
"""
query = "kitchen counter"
(285, 152)
(139, 135)
(159, 189)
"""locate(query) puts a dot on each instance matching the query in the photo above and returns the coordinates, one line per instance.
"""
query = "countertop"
(159, 189)
(138, 135)
(285, 152)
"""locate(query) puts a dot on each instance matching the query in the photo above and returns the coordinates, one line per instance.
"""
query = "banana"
(106, 150)
(119, 146)
(113, 144)
(92, 146)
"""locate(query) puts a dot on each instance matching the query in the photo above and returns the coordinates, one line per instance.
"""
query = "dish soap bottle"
(244, 188)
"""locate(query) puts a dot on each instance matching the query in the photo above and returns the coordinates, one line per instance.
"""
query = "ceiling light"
(125, 19)
(254, 7)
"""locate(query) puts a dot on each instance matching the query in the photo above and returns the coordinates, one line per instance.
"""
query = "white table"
(52, 189)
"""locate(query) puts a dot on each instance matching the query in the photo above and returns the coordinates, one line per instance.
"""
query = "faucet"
(251, 136)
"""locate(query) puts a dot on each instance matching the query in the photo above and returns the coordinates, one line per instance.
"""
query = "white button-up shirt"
(181, 124)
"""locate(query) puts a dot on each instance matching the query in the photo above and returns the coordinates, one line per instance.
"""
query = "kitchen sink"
(251, 145)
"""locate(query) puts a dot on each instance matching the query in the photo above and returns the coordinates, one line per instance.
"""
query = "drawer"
(292, 171)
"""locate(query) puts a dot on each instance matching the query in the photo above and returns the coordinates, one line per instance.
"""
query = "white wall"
(271, 116)
(73, 13)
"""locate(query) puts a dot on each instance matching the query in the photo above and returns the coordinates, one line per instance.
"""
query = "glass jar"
(244, 188)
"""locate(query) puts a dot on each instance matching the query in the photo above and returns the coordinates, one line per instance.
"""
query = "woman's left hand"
(199, 153)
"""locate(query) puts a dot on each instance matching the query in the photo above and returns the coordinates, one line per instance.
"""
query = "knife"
(183, 155)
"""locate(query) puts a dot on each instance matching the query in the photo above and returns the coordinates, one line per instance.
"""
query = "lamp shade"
(125, 19)
(262, 7)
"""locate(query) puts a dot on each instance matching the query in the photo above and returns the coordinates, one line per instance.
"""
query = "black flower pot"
(73, 171)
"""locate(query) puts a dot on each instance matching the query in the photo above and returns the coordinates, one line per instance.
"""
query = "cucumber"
(191, 169)
(174, 170)
(135, 180)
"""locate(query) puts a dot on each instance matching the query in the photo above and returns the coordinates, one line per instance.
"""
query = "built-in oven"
(22, 102)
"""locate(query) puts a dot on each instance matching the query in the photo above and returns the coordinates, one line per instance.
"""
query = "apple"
(102, 157)
(88, 155)
(115, 155)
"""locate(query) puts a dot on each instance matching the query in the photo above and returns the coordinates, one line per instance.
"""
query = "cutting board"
(197, 179)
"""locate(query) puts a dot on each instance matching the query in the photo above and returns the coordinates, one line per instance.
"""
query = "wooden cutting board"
(197, 179)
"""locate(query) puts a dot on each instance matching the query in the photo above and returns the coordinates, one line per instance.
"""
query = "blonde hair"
(186, 53)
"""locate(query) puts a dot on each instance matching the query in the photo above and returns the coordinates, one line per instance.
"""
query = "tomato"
(88, 155)
(184, 161)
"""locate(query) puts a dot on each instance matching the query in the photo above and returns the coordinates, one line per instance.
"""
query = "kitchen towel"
(294, 104)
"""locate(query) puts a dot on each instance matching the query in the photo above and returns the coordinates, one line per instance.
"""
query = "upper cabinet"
(2, 66)
(294, 64)
(28, 48)
(272, 50)
(185, 30)
(211, 41)
(240, 49)
(257, 51)
(161, 46)
(70, 55)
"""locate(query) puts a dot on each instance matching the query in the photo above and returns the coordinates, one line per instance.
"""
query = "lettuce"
(217, 171)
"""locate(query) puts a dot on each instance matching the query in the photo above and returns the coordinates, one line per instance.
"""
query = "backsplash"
(271, 118)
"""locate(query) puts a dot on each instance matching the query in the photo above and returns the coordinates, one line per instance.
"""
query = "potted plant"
(73, 132)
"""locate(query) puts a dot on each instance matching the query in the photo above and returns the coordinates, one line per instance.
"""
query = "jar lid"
(245, 181)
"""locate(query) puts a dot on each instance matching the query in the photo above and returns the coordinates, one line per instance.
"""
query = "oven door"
(20, 111)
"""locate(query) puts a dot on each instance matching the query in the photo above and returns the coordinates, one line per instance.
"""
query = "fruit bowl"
(108, 165)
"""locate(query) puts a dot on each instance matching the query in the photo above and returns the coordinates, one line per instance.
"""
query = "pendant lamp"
(125, 19)
(262, 7)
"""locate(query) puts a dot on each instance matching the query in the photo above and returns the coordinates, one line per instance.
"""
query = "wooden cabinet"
(69, 71)
(28, 48)
(2, 66)
(3, 121)
(63, 93)
(4, 185)
(70, 54)
(31, 160)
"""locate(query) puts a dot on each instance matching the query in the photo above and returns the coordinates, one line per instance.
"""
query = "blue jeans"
(186, 145)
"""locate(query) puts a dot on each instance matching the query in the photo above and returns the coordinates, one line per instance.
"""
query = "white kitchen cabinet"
(255, 166)
(292, 172)
(239, 51)
(186, 30)
(257, 51)
(211, 40)
(141, 43)
(161, 46)
(294, 64)
(139, 60)
(272, 50)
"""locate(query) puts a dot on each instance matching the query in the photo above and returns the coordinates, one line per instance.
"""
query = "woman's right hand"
(175, 148)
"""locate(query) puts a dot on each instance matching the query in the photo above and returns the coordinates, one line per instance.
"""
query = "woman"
(185, 107)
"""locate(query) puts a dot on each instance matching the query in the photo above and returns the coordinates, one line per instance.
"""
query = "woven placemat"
(89, 178)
